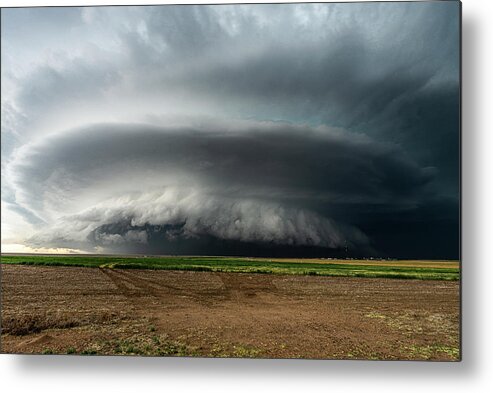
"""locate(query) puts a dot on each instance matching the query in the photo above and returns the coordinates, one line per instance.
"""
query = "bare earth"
(184, 313)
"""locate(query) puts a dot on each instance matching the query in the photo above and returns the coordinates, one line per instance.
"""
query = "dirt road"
(174, 313)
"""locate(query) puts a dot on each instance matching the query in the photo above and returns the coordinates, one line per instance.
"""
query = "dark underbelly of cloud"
(275, 185)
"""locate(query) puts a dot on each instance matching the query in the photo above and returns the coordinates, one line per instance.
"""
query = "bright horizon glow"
(21, 248)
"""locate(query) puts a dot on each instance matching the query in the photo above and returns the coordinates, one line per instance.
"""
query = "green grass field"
(423, 270)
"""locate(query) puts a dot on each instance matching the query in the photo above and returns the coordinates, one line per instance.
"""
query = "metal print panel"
(258, 180)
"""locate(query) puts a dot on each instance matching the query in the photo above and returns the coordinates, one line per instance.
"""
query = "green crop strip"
(239, 265)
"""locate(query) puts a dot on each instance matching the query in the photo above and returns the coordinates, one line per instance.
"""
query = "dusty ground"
(108, 311)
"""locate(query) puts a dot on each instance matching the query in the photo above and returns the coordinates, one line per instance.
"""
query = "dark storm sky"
(287, 130)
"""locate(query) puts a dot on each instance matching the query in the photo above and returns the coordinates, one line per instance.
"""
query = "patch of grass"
(228, 350)
(47, 351)
(175, 349)
(71, 351)
(218, 351)
(145, 346)
(413, 324)
(433, 351)
(358, 353)
(89, 352)
(350, 268)
(240, 351)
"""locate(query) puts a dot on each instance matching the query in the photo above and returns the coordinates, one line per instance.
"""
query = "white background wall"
(475, 373)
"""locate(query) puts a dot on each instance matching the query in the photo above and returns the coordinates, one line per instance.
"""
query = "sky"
(303, 130)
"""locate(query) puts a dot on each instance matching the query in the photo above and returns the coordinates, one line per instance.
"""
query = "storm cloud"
(311, 128)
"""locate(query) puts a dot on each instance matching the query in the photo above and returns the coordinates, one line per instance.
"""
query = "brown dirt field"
(183, 313)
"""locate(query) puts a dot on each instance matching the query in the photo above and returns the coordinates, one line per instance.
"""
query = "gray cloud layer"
(326, 122)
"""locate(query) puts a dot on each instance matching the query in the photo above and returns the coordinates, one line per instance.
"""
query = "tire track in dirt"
(125, 285)
(142, 286)
(234, 286)
(147, 287)
(122, 287)
(204, 296)
(147, 282)
(231, 288)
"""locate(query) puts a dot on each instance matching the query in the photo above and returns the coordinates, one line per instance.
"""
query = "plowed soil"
(69, 310)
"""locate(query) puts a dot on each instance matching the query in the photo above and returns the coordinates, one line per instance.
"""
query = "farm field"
(113, 311)
(427, 270)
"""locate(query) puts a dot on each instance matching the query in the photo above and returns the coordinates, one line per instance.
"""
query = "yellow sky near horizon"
(21, 248)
